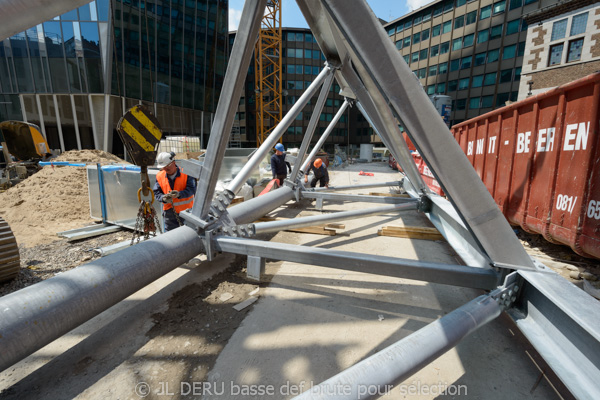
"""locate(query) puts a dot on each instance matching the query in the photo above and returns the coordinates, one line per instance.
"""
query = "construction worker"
(320, 174)
(174, 189)
(278, 164)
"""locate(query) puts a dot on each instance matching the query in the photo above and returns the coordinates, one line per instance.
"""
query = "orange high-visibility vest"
(180, 183)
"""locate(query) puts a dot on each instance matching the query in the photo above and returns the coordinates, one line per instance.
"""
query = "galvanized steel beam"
(399, 361)
(356, 198)
(275, 226)
(233, 84)
(36, 315)
(457, 275)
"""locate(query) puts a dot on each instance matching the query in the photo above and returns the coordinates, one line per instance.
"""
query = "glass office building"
(471, 50)
(77, 74)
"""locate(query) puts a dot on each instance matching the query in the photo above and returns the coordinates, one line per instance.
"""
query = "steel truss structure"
(560, 320)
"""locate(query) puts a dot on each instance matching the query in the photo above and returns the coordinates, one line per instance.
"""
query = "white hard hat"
(164, 159)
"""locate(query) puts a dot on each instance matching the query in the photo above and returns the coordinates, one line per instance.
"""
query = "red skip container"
(540, 160)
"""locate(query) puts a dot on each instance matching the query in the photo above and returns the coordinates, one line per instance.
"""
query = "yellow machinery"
(267, 67)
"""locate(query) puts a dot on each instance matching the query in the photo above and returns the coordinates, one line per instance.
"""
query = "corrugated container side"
(540, 160)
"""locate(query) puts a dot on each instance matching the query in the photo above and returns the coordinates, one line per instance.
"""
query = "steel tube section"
(561, 322)
(456, 275)
(377, 110)
(352, 187)
(399, 361)
(356, 198)
(312, 124)
(381, 61)
(37, 315)
(324, 136)
(249, 211)
(235, 78)
(275, 226)
(276, 134)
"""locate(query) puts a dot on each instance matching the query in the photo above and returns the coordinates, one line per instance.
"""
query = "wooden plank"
(410, 232)
(236, 200)
(389, 194)
(316, 230)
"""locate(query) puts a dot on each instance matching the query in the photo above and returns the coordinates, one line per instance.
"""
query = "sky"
(387, 10)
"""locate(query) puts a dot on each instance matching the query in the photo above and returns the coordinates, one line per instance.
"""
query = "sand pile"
(54, 199)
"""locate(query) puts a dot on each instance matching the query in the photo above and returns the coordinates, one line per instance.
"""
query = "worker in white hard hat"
(174, 189)
(278, 164)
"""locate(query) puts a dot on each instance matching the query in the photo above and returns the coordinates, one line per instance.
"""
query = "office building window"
(422, 73)
(489, 79)
(448, 6)
(427, 17)
(307, 53)
(518, 74)
(406, 41)
(505, 75)
(414, 57)
(406, 58)
(452, 85)
(417, 20)
(446, 26)
(425, 34)
(456, 44)
(416, 38)
(574, 53)
(435, 31)
(499, 7)
(512, 26)
(443, 68)
(474, 103)
(521, 49)
(493, 55)
(444, 47)
(454, 65)
(438, 11)
(530, 1)
(431, 90)
(513, 96)
(435, 50)
(486, 12)
(399, 44)
(487, 101)
(399, 28)
(470, 18)
(578, 24)
(432, 70)
(460, 3)
(459, 22)
(461, 104)
(479, 59)
(515, 4)
(423, 54)
(468, 40)
(483, 36)
(559, 29)
(441, 88)
(496, 32)
(465, 62)
(391, 31)
(501, 99)
(407, 25)
(509, 51)
(477, 81)
(463, 83)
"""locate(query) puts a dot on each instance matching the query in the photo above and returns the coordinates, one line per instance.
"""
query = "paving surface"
(308, 324)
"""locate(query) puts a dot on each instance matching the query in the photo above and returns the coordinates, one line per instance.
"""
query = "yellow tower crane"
(268, 70)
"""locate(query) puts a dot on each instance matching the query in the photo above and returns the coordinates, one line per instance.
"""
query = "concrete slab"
(313, 322)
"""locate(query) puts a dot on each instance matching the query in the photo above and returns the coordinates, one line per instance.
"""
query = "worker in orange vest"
(174, 189)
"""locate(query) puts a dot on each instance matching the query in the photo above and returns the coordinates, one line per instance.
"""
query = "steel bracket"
(245, 230)
(506, 295)
(208, 245)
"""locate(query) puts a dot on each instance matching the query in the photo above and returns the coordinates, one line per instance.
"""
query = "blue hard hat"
(279, 147)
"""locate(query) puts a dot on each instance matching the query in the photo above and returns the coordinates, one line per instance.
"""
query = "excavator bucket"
(24, 140)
